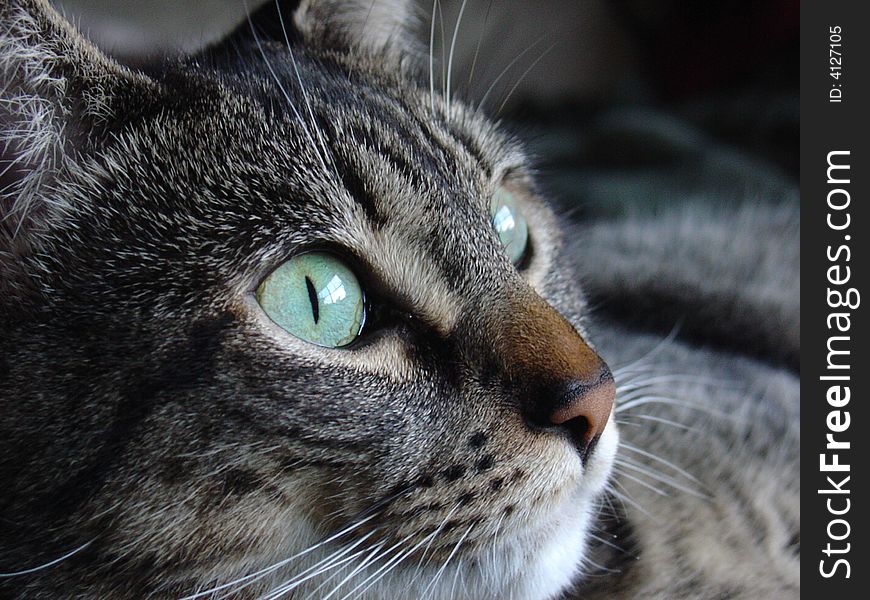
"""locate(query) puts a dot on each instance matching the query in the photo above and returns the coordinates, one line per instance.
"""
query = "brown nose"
(563, 385)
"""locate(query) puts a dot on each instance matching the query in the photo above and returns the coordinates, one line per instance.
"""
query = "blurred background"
(627, 105)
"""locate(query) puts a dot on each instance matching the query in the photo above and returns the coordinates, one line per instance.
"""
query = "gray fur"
(732, 529)
(164, 438)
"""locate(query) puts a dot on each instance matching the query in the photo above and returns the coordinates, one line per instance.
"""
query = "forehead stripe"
(356, 187)
(392, 153)
(404, 157)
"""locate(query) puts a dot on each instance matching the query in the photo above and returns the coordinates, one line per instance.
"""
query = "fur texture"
(162, 437)
(720, 403)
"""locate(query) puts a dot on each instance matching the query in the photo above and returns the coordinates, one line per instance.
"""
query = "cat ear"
(376, 27)
(381, 28)
(58, 93)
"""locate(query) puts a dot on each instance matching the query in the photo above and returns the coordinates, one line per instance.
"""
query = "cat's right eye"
(316, 297)
(510, 224)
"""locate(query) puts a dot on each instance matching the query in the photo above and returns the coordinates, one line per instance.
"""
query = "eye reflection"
(334, 291)
(509, 224)
(504, 220)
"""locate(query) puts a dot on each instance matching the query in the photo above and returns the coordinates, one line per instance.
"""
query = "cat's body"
(164, 437)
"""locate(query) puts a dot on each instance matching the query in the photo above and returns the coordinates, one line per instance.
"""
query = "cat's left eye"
(510, 225)
(316, 297)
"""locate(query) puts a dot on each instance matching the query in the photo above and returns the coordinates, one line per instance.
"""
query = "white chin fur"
(535, 565)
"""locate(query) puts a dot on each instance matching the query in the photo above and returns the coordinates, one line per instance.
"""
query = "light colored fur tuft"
(29, 112)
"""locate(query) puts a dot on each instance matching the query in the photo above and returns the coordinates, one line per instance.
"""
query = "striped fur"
(163, 438)
(192, 441)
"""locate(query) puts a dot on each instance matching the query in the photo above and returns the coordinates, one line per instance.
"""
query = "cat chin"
(537, 561)
(535, 564)
(521, 570)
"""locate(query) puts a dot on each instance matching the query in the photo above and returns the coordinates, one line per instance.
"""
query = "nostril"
(584, 409)
(591, 399)
(578, 430)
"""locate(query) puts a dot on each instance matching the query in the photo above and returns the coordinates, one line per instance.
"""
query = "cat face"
(458, 425)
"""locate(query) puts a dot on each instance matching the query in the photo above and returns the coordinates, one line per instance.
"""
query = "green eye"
(510, 224)
(316, 297)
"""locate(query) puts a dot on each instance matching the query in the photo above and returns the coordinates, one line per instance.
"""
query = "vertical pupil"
(312, 298)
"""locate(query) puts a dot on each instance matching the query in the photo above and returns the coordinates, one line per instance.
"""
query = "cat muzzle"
(566, 387)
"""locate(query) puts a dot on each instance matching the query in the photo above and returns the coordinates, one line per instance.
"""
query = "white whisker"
(479, 41)
(639, 481)
(432, 57)
(504, 71)
(48, 564)
(330, 562)
(657, 476)
(661, 460)
(281, 86)
(443, 45)
(452, 50)
(314, 124)
(622, 420)
(428, 545)
(632, 384)
(292, 584)
(624, 497)
(447, 562)
(372, 556)
(664, 342)
(388, 566)
(523, 76)
(382, 554)
(253, 577)
(606, 542)
(640, 401)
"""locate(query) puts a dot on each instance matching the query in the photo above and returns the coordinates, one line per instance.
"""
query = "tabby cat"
(284, 319)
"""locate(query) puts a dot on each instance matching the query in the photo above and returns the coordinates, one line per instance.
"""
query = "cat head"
(281, 315)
